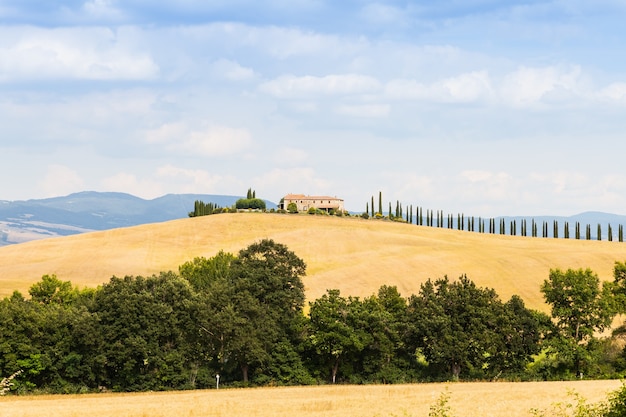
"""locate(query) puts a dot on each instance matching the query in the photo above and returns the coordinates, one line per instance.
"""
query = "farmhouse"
(305, 202)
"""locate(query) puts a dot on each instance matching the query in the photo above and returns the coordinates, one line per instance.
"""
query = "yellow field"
(466, 400)
(354, 255)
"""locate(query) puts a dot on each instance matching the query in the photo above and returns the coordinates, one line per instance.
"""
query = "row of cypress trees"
(437, 218)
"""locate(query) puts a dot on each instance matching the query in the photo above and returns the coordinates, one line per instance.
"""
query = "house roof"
(310, 197)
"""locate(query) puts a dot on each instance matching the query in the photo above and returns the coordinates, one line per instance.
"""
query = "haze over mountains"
(22, 221)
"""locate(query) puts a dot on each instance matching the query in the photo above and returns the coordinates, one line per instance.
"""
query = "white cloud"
(61, 180)
(527, 86)
(102, 9)
(302, 180)
(288, 86)
(232, 70)
(614, 92)
(71, 53)
(383, 14)
(211, 141)
(185, 180)
(464, 88)
(363, 110)
(290, 156)
(129, 183)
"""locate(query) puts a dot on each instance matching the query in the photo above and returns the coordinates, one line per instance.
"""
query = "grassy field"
(354, 255)
(465, 399)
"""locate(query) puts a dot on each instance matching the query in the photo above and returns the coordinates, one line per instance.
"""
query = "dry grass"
(466, 400)
(354, 255)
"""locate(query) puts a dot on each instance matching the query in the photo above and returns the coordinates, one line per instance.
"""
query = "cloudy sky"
(486, 107)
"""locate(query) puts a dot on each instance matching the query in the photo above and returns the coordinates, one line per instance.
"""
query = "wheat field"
(354, 255)
(478, 399)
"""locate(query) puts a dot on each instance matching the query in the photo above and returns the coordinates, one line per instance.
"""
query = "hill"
(354, 255)
(23, 221)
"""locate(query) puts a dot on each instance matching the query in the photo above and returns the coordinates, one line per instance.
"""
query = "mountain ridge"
(88, 211)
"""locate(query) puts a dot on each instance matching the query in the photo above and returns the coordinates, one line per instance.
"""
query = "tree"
(292, 208)
(202, 273)
(456, 327)
(580, 307)
(333, 334)
(52, 290)
(270, 274)
(146, 329)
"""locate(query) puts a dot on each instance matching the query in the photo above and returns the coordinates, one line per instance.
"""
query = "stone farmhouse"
(305, 202)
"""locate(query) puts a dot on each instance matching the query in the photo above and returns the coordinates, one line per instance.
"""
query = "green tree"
(202, 273)
(333, 334)
(463, 329)
(146, 329)
(271, 274)
(52, 290)
(580, 307)
(292, 208)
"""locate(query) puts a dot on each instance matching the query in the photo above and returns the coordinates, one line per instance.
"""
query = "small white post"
(217, 381)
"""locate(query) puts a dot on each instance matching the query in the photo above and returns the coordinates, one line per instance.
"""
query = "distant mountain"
(22, 221)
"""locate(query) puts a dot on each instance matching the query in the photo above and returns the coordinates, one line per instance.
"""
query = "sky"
(482, 107)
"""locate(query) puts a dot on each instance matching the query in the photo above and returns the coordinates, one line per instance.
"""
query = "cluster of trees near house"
(249, 203)
(513, 227)
(243, 317)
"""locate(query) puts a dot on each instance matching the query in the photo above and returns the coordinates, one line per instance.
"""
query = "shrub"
(365, 215)
(441, 407)
(578, 407)
(617, 403)
(292, 208)
(250, 203)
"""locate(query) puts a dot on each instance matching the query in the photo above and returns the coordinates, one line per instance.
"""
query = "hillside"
(23, 221)
(354, 255)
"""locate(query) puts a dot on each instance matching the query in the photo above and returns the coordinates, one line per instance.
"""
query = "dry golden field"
(354, 255)
(493, 399)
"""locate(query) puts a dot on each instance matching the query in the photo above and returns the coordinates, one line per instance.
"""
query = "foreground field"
(466, 400)
(354, 255)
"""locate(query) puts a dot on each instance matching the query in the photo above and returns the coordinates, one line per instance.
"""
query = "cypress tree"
(372, 206)
(610, 233)
(599, 232)
(577, 230)
(588, 232)
(620, 232)
(380, 202)
(390, 214)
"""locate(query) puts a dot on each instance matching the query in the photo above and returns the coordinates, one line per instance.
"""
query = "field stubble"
(354, 255)
(477, 399)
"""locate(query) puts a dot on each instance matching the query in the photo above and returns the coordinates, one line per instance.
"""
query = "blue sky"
(484, 107)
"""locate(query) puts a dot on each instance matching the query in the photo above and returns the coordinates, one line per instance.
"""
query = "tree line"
(242, 317)
(532, 228)
(200, 208)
